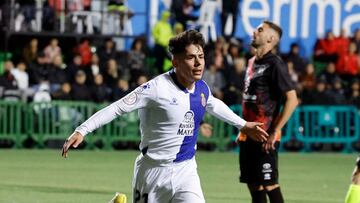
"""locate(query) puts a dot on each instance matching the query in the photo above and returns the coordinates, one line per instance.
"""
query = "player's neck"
(184, 82)
(262, 51)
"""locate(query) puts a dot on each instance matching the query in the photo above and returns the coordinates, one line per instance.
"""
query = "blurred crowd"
(101, 73)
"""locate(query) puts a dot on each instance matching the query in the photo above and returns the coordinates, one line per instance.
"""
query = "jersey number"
(139, 197)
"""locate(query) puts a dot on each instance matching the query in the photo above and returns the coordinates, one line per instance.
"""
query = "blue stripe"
(197, 99)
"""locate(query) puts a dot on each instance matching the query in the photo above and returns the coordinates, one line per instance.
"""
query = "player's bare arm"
(73, 141)
(289, 107)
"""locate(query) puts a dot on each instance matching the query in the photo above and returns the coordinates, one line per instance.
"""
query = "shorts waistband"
(154, 162)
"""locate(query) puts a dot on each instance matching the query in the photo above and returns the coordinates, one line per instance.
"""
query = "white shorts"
(170, 183)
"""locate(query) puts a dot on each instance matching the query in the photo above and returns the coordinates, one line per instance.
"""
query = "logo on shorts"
(266, 168)
(267, 176)
(186, 127)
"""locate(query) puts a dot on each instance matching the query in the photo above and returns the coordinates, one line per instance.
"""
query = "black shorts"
(258, 167)
(358, 162)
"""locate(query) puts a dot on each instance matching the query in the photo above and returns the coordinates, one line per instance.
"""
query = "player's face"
(260, 35)
(190, 65)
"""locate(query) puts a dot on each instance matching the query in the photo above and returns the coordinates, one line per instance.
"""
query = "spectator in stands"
(342, 43)
(42, 94)
(64, 93)
(84, 50)
(348, 63)
(234, 82)
(52, 50)
(307, 78)
(39, 71)
(293, 75)
(122, 88)
(214, 77)
(326, 49)
(356, 40)
(105, 53)
(322, 95)
(338, 92)
(232, 53)
(136, 59)
(307, 81)
(329, 74)
(95, 64)
(30, 51)
(220, 46)
(185, 10)
(112, 74)
(354, 96)
(161, 32)
(22, 78)
(79, 90)
(142, 79)
(294, 56)
(178, 28)
(74, 67)
(7, 79)
(100, 93)
(57, 75)
(8, 84)
(230, 9)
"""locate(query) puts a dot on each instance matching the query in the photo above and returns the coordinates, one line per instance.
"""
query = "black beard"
(253, 44)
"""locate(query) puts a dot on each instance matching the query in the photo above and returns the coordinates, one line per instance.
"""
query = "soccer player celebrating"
(267, 83)
(171, 107)
(353, 195)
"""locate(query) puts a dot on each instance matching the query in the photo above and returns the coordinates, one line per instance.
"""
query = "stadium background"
(33, 175)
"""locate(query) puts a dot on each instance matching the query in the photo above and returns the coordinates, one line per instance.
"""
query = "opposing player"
(267, 85)
(353, 194)
(171, 107)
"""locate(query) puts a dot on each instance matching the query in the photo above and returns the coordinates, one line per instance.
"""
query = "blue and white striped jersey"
(170, 116)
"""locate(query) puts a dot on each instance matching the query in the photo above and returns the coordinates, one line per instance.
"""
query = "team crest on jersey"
(186, 127)
(203, 100)
(130, 99)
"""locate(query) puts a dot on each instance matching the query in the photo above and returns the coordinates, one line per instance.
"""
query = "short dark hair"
(275, 27)
(178, 43)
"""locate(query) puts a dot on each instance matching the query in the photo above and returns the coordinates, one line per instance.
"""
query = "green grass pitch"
(43, 176)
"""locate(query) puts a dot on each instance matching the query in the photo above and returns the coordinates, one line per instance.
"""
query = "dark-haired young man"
(171, 107)
(267, 84)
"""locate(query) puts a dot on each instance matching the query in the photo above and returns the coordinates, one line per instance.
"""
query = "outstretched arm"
(136, 99)
(73, 141)
(220, 110)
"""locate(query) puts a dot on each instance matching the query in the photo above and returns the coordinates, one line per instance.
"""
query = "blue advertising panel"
(302, 21)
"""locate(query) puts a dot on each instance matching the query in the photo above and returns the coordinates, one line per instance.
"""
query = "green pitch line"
(42, 176)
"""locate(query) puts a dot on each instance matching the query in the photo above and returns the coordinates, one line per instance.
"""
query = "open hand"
(74, 140)
(254, 131)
